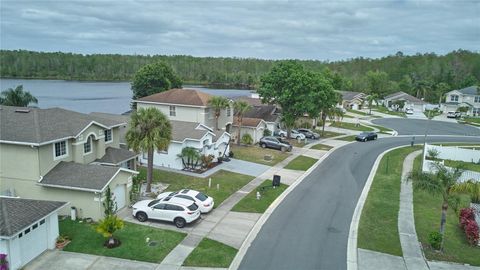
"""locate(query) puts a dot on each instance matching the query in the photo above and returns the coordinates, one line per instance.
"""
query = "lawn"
(256, 154)
(433, 113)
(229, 182)
(475, 121)
(381, 129)
(351, 126)
(378, 228)
(301, 163)
(210, 253)
(386, 111)
(465, 165)
(427, 211)
(328, 134)
(350, 138)
(320, 146)
(86, 240)
(357, 112)
(250, 203)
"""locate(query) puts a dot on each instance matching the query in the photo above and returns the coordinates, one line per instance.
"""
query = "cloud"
(265, 29)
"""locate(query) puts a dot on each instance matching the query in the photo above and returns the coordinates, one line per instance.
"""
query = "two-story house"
(466, 97)
(193, 125)
(55, 154)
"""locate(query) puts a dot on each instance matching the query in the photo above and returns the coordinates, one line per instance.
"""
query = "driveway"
(417, 115)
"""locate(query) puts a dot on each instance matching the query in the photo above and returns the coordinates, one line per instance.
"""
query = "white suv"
(453, 114)
(177, 210)
(204, 202)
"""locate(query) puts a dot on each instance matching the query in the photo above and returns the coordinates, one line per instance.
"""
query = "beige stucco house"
(466, 97)
(62, 155)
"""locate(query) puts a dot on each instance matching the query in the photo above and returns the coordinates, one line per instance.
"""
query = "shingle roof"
(16, 214)
(350, 95)
(182, 130)
(471, 90)
(248, 122)
(116, 155)
(265, 112)
(34, 125)
(179, 96)
(251, 101)
(71, 175)
(404, 96)
(116, 117)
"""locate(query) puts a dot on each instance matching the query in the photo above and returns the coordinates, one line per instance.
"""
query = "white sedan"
(176, 210)
(204, 202)
(294, 134)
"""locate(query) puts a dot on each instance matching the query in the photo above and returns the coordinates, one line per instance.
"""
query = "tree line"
(426, 76)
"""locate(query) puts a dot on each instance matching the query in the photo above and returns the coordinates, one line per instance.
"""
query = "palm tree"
(149, 129)
(371, 98)
(218, 104)
(191, 155)
(471, 188)
(240, 107)
(441, 182)
(17, 97)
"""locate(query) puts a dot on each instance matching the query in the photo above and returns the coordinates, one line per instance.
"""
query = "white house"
(410, 102)
(352, 100)
(27, 228)
(467, 97)
(266, 112)
(252, 126)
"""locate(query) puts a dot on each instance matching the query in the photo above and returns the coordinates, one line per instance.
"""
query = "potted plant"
(62, 241)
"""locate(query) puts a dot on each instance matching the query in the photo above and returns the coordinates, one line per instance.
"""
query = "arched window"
(87, 146)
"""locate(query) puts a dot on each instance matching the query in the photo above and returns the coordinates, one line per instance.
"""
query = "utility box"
(276, 181)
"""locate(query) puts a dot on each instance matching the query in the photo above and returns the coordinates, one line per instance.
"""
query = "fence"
(428, 166)
(455, 153)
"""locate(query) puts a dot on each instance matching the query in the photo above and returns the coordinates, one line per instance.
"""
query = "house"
(57, 154)
(122, 130)
(352, 100)
(193, 125)
(253, 126)
(402, 101)
(27, 228)
(466, 97)
(269, 113)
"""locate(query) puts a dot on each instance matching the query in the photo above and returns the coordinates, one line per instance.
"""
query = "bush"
(247, 139)
(471, 231)
(466, 214)
(435, 240)
(267, 132)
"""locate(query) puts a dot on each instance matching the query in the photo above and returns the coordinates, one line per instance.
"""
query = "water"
(86, 97)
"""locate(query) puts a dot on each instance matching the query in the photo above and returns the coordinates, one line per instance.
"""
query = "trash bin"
(276, 181)
(73, 213)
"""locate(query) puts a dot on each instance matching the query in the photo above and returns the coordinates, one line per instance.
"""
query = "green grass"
(256, 154)
(378, 229)
(386, 111)
(357, 112)
(472, 119)
(250, 203)
(86, 240)
(301, 163)
(350, 138)
(320, 146)
(466, 165)
(229, 182)
(427, 212)
(381, 129)
(210, 253)
(328, 134)
(351, 126)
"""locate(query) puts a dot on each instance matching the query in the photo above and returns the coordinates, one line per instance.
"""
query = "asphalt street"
(309, 229)
(418, 127)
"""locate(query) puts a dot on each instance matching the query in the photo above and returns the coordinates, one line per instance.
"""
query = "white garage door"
(119, 193)
(33, 242)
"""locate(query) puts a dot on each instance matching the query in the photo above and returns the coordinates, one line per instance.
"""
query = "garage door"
(119, 193)
(33, 242)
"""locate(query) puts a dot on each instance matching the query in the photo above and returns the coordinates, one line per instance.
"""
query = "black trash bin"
(276, 181)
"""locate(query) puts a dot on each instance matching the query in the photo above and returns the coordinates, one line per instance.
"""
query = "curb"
(259, 224)
(352, 259)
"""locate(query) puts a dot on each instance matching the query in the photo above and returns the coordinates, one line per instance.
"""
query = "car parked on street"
(204, 202)
(366, 136)
(177, 210)
(294, 134)
(453, 114)
(275, 143)
(309, 133)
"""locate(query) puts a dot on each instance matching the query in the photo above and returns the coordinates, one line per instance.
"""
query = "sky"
(320, 30)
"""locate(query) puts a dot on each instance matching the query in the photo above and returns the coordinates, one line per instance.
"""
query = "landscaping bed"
(301, 163)
(250, 203)
(133, 245)
(257, 154)
(229, 182)
(320, 146)
(210, 253)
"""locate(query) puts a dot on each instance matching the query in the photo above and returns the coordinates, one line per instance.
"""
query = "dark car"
(366, 136)
(308, 133)
(275, 143)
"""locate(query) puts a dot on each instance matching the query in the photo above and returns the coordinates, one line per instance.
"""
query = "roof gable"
(471, 90)
(188, 97)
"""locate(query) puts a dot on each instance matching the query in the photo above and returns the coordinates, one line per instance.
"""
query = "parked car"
(204, 202)
(366, 136)
(294, 134)
(309, 133)
(275, 143)
(453, 114)
(177, 210)
(409, 111)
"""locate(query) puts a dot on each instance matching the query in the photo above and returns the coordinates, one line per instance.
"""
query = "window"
(160, 206)
(26, 231)
(185, 197)
(35, 226)
(87, 147)
(60, 149)
(108, 135)
(172, 207)
(42, 221)
(172, 111)
(477, 99)
(229, 112)
(202, 197)
(454, 98)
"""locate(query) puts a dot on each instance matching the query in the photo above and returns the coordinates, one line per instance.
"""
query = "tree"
(377, 83)
(218, 103)
(439, 182)
(370, 99)
(149, 129)
(107, 227)
(109, 204)
(240, 108)
(17, 97)
(441, 89)
(190, 157)
(154, 78)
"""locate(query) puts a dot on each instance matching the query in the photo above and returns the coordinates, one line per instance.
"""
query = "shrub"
(247, 139)
(469, 225)
(267, 132)
(435, 240)
(466, 214)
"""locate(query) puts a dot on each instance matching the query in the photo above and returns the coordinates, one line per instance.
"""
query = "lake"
(86, 97)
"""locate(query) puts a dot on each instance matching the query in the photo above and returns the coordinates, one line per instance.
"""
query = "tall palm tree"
(149, 129)
(371, 98)
(17, 97)
(240, 107)
(441, 182)
(218, 104)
